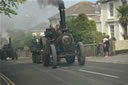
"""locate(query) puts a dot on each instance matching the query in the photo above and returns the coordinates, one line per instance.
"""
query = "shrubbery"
(84, 29)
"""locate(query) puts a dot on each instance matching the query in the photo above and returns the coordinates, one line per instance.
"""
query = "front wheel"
(81, 53)
(54, 56)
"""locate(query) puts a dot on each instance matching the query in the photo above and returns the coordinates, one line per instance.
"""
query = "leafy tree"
(123, 19)
(92, 25)
(7, 6)
(83, 29)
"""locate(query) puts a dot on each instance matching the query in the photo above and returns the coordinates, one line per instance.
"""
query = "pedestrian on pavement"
(106, 45)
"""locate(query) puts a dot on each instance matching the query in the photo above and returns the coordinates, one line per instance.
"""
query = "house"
(109, 18)
(110, 24)
(90, 9)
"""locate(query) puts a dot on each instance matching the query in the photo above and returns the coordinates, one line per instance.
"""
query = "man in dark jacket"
(50, 33)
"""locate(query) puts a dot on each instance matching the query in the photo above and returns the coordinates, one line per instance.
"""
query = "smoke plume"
(49, 2)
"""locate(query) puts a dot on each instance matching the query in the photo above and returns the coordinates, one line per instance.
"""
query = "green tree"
(92, 25)
(82, 29)
(7, 6)
(123, 19)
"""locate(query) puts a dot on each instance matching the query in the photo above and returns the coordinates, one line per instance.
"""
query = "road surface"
(24, 72)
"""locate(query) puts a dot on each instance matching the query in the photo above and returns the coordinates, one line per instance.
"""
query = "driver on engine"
(50, 33)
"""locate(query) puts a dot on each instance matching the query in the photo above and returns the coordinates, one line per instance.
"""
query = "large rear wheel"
(54, 56)
(45, 51)
(81, 53)
(38, 58)
(33, 58)
(46, 60)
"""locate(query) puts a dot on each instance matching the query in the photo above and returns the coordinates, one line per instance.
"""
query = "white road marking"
(102, 74)
(67, 71)
(103, 68)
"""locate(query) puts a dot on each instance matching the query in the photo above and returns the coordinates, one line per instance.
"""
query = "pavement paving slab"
(121, 59)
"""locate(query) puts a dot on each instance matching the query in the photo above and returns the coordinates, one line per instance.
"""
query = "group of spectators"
(106, 45)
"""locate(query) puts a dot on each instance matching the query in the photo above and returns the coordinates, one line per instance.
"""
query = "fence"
(94, 50)
(98, 50)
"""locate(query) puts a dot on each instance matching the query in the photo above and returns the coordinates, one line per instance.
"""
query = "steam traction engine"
(63, 46)
(8, 51)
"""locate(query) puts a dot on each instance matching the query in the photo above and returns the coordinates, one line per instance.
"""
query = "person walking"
(106, 45)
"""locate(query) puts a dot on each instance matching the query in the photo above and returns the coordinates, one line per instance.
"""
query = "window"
(112, 31)
(124, 2)
(111, 9)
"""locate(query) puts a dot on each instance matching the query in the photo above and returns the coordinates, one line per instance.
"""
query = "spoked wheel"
(38, 59)
(46, 60)
(45, 52)
(33, 58)
(70, 59)
(54, 56)
(81, 53)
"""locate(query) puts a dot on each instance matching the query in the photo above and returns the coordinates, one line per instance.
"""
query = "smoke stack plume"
(50, 2)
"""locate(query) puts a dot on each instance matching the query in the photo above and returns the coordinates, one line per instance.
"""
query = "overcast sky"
(30, 14)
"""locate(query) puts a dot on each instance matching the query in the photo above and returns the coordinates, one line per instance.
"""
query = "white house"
(109, 18)
(110, 24)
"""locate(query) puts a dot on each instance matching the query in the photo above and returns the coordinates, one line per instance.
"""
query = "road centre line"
(7, 80)
(97, 73)
(91, 66)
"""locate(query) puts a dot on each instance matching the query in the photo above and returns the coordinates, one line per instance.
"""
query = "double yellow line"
(7, 80)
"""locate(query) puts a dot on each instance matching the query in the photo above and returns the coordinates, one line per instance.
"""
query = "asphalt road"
(24, 72)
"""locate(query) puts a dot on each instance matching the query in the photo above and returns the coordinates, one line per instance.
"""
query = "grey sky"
(30, 14)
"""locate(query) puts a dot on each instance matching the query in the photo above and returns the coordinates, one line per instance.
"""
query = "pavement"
(97, 71)
(121, 59)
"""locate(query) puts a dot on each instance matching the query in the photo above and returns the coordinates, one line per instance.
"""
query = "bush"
(84, 29)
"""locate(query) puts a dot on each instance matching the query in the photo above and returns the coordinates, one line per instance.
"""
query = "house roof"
(80, 7)
(101, 1)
